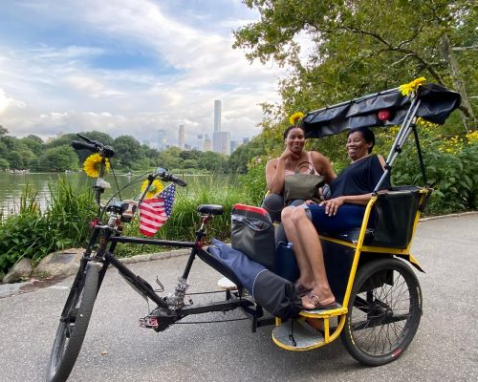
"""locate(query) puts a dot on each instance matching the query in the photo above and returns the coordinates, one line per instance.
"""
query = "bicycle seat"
(213, 209)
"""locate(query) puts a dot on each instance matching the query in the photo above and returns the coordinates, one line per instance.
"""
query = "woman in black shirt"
(350, 193)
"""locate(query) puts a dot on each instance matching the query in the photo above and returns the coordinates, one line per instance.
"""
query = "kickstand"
(161, 286)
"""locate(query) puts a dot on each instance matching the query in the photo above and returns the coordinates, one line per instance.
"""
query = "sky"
(129, 67)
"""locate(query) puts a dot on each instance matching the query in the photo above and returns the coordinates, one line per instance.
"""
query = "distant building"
(217, 115)
(222, 142)
(161, 139)
(245, 141)
(207, 145)
(181, 137)
(234, 145)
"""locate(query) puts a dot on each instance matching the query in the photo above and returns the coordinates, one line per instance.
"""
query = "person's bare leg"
(310, 242)
(306, 277)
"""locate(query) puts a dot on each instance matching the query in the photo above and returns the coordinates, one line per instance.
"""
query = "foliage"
(33, 233)
(340, 49)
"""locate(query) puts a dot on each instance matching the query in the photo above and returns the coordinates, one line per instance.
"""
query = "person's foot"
(312, 301)
(302, 289)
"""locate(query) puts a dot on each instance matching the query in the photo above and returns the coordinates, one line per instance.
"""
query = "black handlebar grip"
(108, 151)
(179, 182)
(78, 145)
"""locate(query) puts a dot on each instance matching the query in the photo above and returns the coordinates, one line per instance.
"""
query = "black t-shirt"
(359, 178)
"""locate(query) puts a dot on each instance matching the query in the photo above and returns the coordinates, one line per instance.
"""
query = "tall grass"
(33, 233)
(183, 222)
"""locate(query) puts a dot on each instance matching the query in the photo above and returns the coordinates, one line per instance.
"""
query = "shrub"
(33, 233)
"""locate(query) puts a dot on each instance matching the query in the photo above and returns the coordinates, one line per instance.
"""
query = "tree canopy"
(341, 49)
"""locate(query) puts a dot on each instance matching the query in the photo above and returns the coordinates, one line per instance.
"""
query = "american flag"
(154, 212)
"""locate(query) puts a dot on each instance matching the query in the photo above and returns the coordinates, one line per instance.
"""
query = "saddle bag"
(274, 293)
(252, 232)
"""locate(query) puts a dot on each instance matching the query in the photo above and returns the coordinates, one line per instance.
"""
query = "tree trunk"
(467, 115)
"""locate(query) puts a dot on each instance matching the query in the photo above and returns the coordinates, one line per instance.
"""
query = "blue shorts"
(348, 216)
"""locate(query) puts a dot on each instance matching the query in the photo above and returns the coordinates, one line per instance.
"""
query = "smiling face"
(357, 147)
(295, 140)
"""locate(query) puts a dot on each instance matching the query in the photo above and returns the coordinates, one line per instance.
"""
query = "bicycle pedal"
(149, 322)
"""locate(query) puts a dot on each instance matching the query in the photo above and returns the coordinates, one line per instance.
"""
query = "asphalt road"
(117, 349)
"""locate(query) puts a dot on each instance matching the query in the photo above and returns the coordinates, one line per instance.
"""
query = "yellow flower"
(294, 118)
(92, 165)
(406, 89)
(155, 188)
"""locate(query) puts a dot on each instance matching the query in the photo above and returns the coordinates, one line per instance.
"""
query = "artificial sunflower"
(406, 89)
(155, 188)
(296, 117)
(92, 165)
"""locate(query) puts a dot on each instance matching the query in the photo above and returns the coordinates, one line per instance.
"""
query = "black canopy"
(436, 104)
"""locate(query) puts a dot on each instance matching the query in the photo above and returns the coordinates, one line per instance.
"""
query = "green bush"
(33, 233)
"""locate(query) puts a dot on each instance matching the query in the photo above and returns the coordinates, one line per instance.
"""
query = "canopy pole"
(404, 132)
(420, 156)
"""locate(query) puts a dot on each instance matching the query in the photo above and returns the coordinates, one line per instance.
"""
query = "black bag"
(252, 232)
(303, 185)
(275, 294)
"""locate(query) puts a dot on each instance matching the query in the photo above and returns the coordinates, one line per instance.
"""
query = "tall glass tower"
(217, 115)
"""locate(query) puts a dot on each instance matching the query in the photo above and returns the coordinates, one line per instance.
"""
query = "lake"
(13, 185)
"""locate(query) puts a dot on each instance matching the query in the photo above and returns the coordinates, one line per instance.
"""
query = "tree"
(3, 131)
(34, 143)
(59, 158)
(127, 150)
(362, 46)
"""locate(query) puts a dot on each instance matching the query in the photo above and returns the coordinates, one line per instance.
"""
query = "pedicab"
(368, 268)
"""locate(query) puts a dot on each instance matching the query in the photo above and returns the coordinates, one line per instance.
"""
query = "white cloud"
(60, 89)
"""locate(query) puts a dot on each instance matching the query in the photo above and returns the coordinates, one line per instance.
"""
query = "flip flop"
(318, 305)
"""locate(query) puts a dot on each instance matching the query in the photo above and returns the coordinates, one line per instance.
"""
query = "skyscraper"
(161, 139)
(181, 136)
(217, 115)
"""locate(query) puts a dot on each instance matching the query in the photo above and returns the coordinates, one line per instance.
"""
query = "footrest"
(226, 284)
(297, 335)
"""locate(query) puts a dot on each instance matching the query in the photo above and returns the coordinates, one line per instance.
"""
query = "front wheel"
(384, 312)
(73, 324)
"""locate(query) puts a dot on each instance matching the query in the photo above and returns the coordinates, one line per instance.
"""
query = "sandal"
(317, 305)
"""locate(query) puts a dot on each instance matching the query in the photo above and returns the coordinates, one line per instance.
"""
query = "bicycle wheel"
(73, 324)
(384, 312)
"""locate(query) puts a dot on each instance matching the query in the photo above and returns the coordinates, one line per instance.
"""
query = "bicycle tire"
(384, 312)
(73, 325)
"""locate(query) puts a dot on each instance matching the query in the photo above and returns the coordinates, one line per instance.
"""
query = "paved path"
(116, 349)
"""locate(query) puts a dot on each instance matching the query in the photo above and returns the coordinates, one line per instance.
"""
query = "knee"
(286, 214)
(298, 215)
(273, 201)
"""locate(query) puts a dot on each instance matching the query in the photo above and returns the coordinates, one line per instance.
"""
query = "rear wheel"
(384, 312)
(73, 324)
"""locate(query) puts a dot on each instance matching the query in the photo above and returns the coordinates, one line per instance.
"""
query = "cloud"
(179, 66)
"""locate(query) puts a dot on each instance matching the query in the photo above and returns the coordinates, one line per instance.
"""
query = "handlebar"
(107, 152)
(163, 174)
(93, 146)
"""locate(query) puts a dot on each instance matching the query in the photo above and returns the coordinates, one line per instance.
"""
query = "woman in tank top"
(350, 193)
(278, 169)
